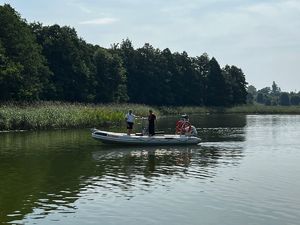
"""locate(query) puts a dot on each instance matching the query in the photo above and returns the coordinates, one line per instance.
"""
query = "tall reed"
(51, 115)
(47, 115)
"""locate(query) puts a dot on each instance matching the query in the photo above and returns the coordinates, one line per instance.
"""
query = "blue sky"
(261, 37)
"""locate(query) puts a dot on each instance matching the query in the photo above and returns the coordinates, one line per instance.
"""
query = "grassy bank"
(52, 115)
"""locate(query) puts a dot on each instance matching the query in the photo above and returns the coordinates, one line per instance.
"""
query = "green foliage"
(236, 85)
(110, 77)
(273, 96)
(275, 89)
(284, 99)
(265, 91)
(295, 99)
(252, 90)
(216, 86)
(53, 63)
(260, 98)
(70, 60)
(23, 69)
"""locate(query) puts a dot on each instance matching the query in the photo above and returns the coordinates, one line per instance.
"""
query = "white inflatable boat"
(133, 139)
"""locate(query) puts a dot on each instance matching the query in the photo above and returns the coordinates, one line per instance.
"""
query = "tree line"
(52, 63)
(272, 96)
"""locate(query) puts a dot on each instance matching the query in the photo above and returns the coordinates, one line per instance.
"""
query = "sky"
(262, 37)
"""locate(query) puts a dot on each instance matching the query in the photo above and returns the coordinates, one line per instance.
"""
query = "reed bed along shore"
(58, 115)
(54, 115)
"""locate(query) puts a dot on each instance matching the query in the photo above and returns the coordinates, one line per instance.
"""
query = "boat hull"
(124, 139)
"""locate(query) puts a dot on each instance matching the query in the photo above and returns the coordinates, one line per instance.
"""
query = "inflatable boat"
(138, 139)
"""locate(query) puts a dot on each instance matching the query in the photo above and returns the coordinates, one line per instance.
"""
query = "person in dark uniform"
(151, 120)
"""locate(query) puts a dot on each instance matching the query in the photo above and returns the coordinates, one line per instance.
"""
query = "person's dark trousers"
(151, 130)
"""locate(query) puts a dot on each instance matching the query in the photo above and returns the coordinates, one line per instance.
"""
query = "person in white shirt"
(129, 118)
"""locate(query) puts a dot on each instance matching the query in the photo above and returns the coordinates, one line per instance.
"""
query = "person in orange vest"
(183, 125)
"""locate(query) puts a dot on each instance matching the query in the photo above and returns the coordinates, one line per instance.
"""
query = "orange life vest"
(183, 127)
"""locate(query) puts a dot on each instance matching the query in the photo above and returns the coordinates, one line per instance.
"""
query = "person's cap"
(184, 116)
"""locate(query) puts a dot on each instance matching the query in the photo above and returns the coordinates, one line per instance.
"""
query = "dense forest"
(52, 63)
(272, 96)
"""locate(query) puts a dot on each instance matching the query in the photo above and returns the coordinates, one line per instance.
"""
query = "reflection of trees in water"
(53, 182)
(41, 142)
(47, 183)
(221, 121)
(40, 170)
(142, 161)
(163, 164)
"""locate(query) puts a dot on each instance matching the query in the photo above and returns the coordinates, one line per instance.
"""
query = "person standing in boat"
(151, 120)
(129, 118)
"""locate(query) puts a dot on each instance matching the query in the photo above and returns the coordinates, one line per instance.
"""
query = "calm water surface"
(246, 171)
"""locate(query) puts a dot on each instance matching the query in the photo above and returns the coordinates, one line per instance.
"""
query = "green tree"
(295, 99)
(264, 96)
(53, 63)
(167, 72)
(260, 98)
(236, 85)
(110, 77)
(252, 93)
(252, 90)
(129, 58)
(275, 89)
(24, 70)
(10, 76)
(274, 95)
(216, 87)
(201, 65)
(250, 98)
(284, 99)
(268, 101)
(149, 91)
(184, 76)
(70, 59)
(265, 91)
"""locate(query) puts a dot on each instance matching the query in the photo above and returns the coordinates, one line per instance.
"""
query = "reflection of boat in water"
(122, 138)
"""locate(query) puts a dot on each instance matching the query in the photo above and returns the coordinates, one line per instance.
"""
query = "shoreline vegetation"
(61, 115)
(51, 66)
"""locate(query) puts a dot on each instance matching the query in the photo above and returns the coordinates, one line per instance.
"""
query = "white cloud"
(99, 21)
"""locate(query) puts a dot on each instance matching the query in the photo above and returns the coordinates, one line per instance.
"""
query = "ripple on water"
(237, 175)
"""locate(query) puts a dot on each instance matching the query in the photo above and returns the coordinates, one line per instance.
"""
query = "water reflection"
(46, 172)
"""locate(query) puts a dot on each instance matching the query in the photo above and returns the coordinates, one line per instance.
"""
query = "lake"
(245, 171)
